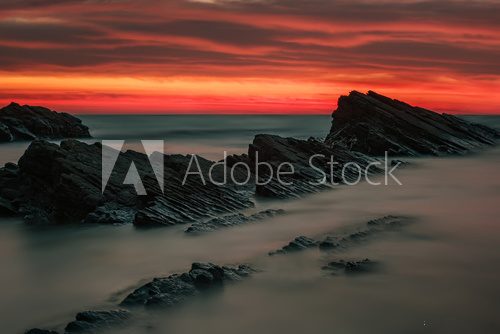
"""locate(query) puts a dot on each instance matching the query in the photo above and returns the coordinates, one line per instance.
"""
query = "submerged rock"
(93, 321)
(351, 267)
(172, 290)
(40, 331)
(297, 244)
(28, 123)
(374, 124)
(341, 241)
(232, 220)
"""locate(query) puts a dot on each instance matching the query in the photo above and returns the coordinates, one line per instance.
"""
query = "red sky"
(286, 56)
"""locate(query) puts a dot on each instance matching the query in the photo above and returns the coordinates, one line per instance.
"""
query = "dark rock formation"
(29, 123)
(161, 292)
(62, 184)
(275, 150)
(231, 220)
(93, 321)
(373, 227)
(171, 290)
(373, 124)
(342, 241)
(39, 331)
(297, 244)
(351, 267)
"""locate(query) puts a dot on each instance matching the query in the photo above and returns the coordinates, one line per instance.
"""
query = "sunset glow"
(248, 56)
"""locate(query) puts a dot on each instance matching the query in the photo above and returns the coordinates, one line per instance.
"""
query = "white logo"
(154, 149)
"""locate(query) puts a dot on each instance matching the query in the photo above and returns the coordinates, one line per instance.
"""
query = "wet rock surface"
(232, 220)
(28, 123)
(373, 124)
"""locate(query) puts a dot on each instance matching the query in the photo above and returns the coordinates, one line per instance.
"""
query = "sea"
(437, 275)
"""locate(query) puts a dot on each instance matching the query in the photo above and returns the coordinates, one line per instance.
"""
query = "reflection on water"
(439, 275)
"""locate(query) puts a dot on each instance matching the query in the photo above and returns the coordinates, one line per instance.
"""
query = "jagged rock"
(28, 123)
(342, 241)
(231, 220)
(389, 221)
(171, 290)
(297, 244)
(5, 134)
(111, 214)
(374, 124)
(39, 331)
(93, 321)
(329, 242)
(275, 150)
(351, 267)
(62, 184)
(375, 226)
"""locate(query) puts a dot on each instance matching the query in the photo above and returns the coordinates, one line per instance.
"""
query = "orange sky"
(287, 56)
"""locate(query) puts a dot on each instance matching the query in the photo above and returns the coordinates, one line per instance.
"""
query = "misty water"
(437, 275)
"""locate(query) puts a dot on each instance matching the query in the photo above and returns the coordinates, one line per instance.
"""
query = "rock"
(351, 267)
(39, 331)
(389, 221)
(111, 214)
(231, 220)
(330, 242)
(374, 124)
(397, 162)
(62, 184)
(297, 244)
(235, 159)
(372, 228)
(271, 152)
(28, 123)
(172, 290)
(6, 207)
(93, 321)
(342, 241)
(160, 292)
(5, 134)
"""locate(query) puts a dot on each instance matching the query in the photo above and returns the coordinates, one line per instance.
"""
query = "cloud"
(315, 41)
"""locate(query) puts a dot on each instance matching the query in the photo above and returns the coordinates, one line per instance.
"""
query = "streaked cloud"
(442, 54)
